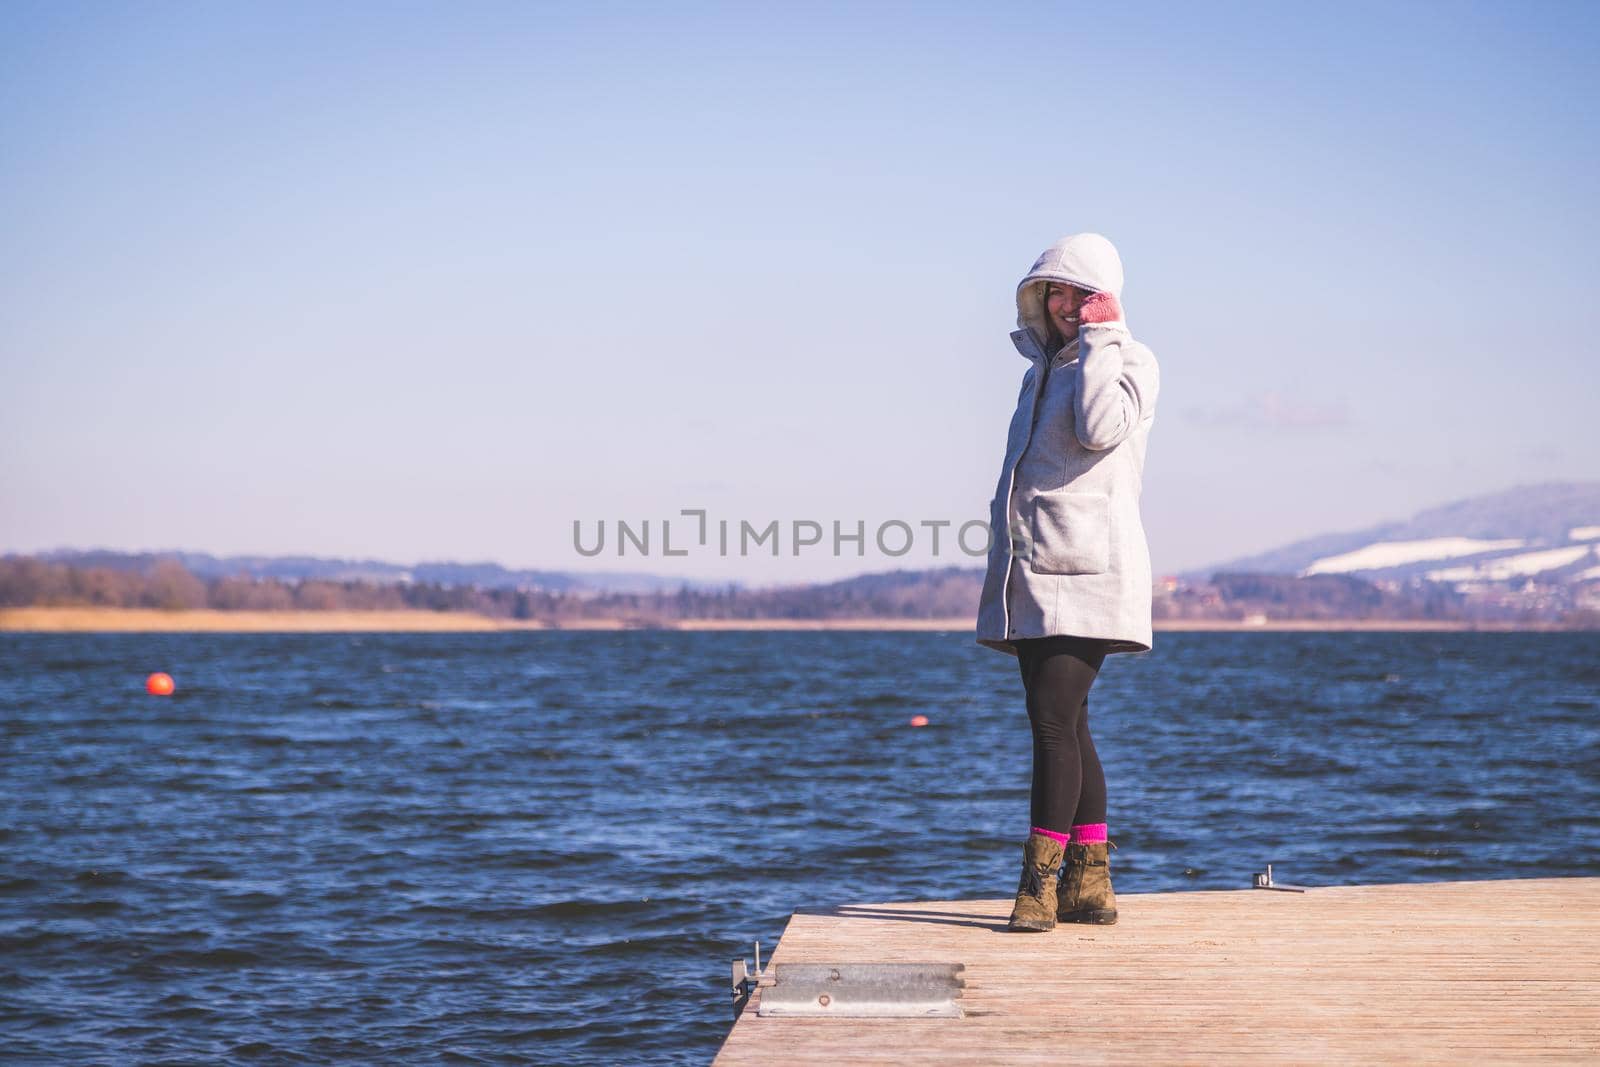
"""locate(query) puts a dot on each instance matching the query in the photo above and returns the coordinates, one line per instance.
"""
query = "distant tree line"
(947, 593)
(168, 585)
(1238, 596)
(1317, 596)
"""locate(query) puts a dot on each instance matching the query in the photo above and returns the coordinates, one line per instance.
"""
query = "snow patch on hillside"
(1396, 553)
(1513, 566)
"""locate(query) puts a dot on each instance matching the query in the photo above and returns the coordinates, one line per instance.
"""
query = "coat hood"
(1086, 260)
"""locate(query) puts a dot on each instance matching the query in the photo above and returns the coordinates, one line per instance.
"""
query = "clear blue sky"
(432, 281)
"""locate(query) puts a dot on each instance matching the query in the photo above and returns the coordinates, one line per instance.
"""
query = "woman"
(1069, 571)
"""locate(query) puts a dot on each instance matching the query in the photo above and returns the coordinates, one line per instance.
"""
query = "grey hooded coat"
(1068, 553)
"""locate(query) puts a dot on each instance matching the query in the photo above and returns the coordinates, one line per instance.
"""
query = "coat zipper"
(1046, 365)
(1043, 379)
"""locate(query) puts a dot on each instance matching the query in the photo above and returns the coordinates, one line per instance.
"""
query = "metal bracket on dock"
(1264, 881)
(851, 990)
(745, 981)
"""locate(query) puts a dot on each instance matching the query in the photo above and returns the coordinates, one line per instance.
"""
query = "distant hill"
(1523, 555)
(1551, 531)
(299, 568)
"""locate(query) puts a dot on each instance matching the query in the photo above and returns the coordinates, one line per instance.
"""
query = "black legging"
(1069, 786)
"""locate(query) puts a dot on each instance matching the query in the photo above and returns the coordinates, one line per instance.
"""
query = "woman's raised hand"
(1100, 307)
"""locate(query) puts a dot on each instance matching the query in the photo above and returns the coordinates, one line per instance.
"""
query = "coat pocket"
(1071, 533)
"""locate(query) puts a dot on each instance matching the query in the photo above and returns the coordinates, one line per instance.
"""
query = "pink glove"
(1100, 307)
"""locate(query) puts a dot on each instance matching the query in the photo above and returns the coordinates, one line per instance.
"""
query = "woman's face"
(1061, 304)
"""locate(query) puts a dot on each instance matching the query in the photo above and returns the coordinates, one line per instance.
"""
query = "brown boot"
(1084, 894)
(1036, 893)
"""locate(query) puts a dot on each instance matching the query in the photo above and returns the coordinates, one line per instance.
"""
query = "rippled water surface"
(535, 848)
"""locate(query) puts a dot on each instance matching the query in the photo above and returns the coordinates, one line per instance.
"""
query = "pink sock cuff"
(1058, 835)
(1089, 832)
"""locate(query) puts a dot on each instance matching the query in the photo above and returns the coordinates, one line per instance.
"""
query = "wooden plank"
(1506, 969)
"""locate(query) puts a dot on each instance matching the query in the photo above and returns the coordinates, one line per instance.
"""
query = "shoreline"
(154, 620)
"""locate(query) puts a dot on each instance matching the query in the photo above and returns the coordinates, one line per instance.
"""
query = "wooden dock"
(1437, 972)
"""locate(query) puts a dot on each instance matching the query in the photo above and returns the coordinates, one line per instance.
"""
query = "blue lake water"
(548, 847)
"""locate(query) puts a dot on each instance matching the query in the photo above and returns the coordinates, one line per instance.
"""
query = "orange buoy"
(919, 720)
(159, 684)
